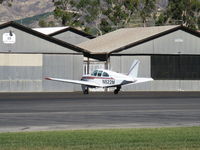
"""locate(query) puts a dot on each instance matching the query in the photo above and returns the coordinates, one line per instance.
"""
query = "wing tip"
(47, 78)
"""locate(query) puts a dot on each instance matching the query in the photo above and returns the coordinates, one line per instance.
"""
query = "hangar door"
(179, 67)
(20, 72)
(63, 66)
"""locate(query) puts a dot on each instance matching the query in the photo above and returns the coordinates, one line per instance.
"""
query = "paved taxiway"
(29, 112)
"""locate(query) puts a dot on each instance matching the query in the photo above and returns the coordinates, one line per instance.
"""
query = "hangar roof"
(127, 37)
(43, 36)
(52, 31)
(89, 36)
(49, 30)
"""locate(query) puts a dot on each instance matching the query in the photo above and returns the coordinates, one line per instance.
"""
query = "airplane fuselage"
(114, 79)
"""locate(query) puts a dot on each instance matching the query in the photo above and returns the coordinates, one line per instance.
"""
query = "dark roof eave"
(98, 56)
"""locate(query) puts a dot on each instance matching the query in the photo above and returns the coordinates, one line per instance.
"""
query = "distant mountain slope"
(33, 21)
(29, 12)
(24, 8)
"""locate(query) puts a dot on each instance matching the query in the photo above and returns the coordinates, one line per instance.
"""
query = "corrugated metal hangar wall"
(172, 60)
(26, 57)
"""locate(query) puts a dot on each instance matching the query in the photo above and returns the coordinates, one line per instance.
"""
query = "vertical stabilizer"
(133, 71)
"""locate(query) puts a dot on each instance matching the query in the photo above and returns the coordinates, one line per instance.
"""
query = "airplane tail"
(133, 71)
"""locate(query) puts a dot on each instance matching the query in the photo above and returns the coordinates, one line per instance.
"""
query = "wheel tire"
(116, 91)
(86, 91)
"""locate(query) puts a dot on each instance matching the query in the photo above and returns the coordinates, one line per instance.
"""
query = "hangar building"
(74, 37)
(66, 34)
(168, 54)
(27, 56)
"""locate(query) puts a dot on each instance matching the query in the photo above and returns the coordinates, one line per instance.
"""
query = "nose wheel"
(116, 91)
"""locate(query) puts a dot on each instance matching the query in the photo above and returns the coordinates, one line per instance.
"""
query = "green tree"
(161, 19)
(92, 14)
(132, 9)
(95, 16)
(65, 10)
(8, 2)
(146, 10)
(117, 13)
(102, 16)
(124, 12)
(185, 12)
(42, 23)
(51, 24)
(105, 26)
(121, 13)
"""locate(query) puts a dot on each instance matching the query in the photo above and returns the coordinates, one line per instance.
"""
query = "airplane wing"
(87, 83)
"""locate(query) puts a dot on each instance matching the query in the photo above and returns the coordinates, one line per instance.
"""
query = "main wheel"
(86, 91)
(116, 91)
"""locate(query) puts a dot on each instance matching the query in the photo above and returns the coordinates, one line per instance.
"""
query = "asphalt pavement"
(66, 111)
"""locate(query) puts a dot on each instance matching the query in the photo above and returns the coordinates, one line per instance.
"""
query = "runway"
(61, 111)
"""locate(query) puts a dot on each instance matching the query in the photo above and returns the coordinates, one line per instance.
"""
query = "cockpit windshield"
(105, 74)
(94, 73)
(100, 73)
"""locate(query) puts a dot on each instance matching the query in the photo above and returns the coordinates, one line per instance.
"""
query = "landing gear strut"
(85, 89)
(116, 91)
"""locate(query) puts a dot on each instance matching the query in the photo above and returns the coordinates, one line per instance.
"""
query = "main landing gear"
(85, 89)
(116, 91)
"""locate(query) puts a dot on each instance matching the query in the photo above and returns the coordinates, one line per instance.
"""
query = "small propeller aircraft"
(102, 78)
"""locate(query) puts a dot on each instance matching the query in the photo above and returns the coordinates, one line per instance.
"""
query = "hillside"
(29, 12)
(24, 8)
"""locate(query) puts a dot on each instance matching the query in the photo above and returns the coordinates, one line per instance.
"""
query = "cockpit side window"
(95, 73)
(99, 73)
(105, 74)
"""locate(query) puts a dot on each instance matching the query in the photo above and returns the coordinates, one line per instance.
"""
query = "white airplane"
(101, 78)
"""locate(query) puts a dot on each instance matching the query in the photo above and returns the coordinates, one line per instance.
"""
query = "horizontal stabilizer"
(141, 80)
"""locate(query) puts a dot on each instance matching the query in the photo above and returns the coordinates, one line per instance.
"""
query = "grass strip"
(186, 138)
